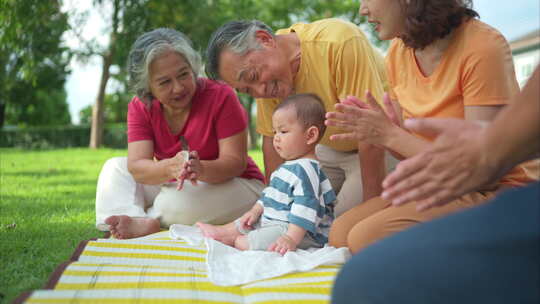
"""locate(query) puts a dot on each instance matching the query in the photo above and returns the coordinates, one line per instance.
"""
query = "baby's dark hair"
(309, 110)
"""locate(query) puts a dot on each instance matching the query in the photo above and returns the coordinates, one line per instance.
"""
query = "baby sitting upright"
(296, 208)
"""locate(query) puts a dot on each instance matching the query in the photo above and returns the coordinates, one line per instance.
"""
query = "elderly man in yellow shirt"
(331, 58)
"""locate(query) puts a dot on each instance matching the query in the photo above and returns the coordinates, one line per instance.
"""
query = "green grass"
(46, 208)
(257, 157)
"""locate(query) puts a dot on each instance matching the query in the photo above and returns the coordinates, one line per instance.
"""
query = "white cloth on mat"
(191, 234)
(229, 266)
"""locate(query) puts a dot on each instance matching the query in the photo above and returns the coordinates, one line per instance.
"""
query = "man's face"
(261, 73)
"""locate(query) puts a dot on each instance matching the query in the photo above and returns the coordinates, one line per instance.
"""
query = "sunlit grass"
(46, 208)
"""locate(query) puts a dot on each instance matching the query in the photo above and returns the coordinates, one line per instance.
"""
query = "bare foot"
(125, 227)
(224, 233)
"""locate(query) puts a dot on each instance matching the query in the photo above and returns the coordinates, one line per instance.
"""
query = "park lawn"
(46, 208)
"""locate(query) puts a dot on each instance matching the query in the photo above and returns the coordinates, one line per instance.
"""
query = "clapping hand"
(191, 170)
(175, 166)
(365, 122)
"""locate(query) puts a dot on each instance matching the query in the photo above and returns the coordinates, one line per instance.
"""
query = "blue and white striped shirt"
(300, 193)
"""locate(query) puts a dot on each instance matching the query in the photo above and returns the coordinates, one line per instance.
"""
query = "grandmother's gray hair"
(150, 46)
(236, 36)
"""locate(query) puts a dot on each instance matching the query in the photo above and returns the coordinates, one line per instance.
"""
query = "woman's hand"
(454, 165)
(174, 166)
(191, 170)
(283, 244)
(365, 122)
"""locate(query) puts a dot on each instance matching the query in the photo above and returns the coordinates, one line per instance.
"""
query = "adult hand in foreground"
(366, 122)
(454, 165)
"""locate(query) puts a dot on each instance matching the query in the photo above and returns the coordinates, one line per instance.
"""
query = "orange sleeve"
(488, 76)
(389, 66)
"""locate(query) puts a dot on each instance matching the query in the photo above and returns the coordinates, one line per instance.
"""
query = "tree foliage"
(124, 23)
(115, 109)
(198, 19)
(33, 62)
(34, 58)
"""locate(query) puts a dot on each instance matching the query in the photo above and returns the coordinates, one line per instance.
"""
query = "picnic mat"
(158, 269)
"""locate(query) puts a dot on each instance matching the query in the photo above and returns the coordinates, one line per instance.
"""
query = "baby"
(296, 208)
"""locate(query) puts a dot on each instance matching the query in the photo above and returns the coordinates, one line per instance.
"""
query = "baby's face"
(290, 137)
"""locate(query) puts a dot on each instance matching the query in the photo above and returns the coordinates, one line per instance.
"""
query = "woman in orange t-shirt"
(443, 62)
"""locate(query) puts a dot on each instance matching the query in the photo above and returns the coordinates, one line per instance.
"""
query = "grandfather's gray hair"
(235, 36)
(150, 46)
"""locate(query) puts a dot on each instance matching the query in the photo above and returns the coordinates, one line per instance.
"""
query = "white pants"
(119, 194)
(343, 171)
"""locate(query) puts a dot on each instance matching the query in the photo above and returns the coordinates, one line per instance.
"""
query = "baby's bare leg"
(241, 242)
(225, 233)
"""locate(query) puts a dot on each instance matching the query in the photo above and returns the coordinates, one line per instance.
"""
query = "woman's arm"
(231, 162)
(465, 157)
(482, 113)
(369, 123)
(408, 145)
(515, 133)
(372, 163)
(147, 171)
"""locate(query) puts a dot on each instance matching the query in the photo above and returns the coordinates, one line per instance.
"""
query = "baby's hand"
(283, 244)
(248, 219)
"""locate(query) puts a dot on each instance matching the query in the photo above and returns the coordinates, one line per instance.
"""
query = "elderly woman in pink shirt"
(174, 110)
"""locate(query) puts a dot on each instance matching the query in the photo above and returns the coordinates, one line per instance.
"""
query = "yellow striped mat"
(157, 269)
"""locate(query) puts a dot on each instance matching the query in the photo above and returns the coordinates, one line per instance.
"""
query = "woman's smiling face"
(172, 81)
(387, 16)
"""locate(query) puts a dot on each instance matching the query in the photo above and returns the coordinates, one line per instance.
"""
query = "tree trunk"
(2, 114)
(96, 132)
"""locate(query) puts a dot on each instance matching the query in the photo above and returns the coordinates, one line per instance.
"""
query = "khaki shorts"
(267, 231)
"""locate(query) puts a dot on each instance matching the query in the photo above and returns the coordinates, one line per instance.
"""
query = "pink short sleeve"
(139, 126)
